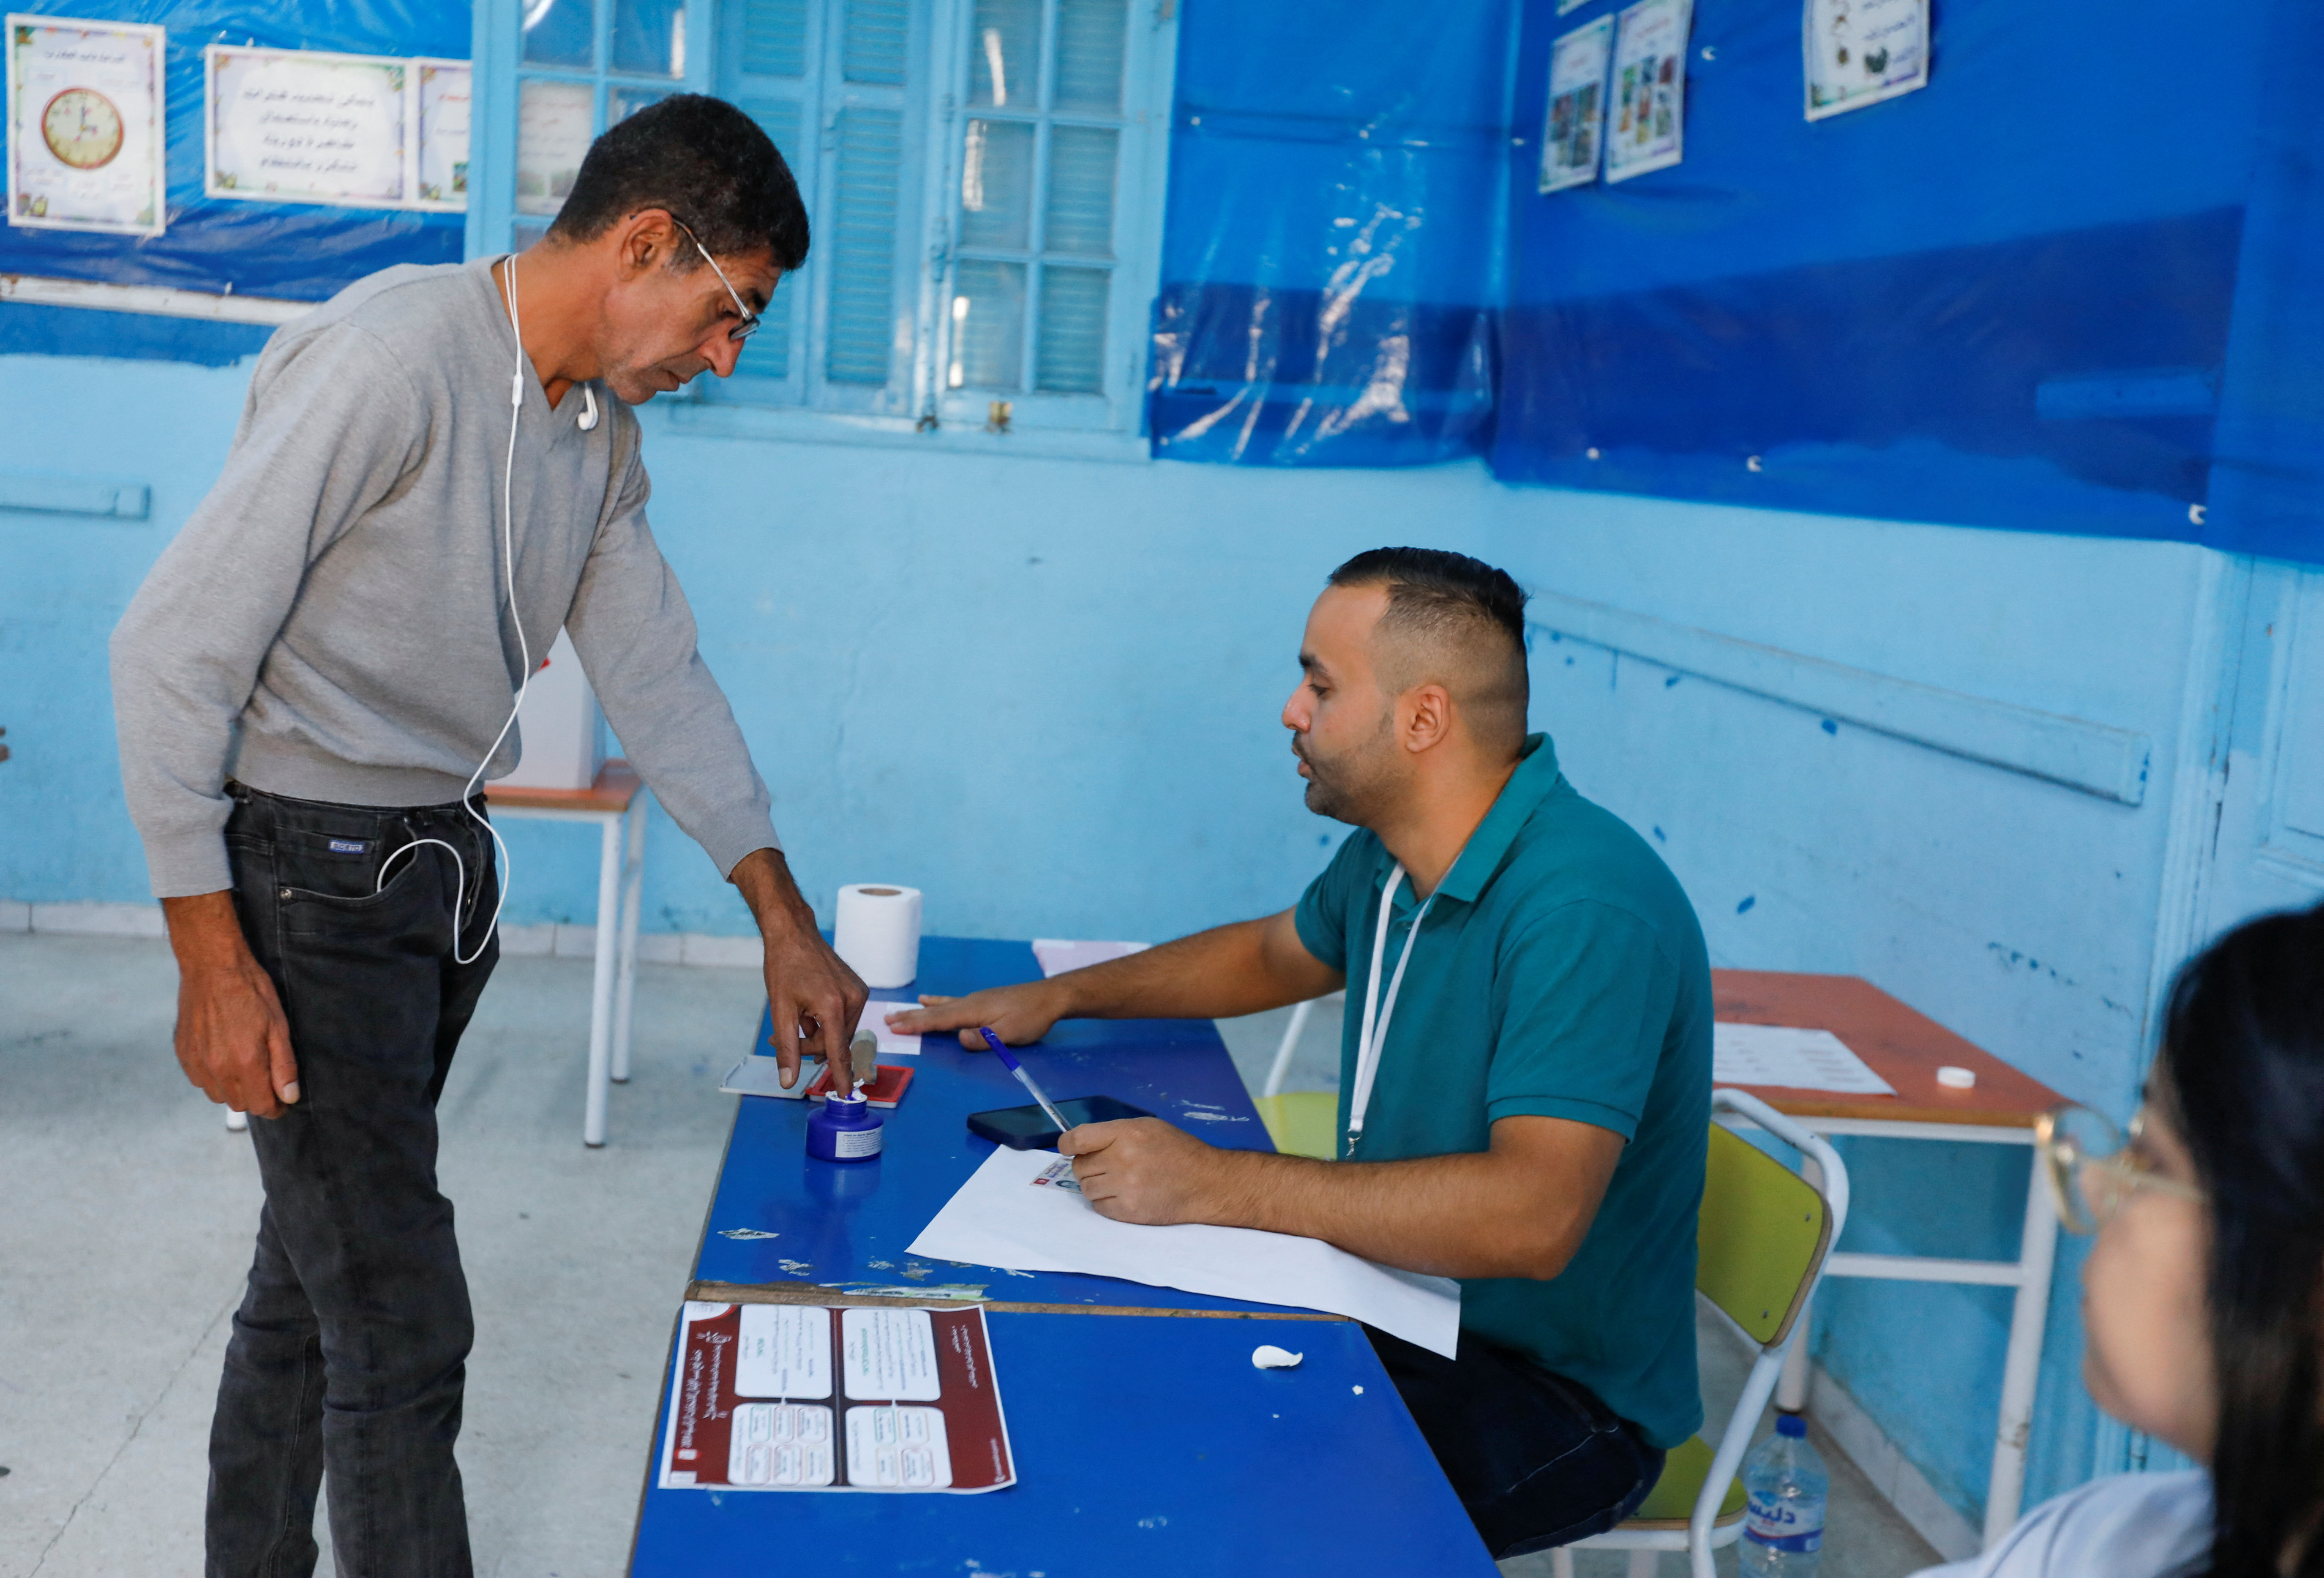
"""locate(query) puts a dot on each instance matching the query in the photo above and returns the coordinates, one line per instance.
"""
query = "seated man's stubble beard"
(1351, 785)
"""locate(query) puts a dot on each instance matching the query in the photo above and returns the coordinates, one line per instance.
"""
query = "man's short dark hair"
(707, 163)
(1456, 620)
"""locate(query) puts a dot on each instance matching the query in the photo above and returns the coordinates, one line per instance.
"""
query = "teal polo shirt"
(1561, 972)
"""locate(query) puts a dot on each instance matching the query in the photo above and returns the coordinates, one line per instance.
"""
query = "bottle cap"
(1791, 1425)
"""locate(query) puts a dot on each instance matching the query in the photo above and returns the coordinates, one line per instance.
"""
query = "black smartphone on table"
(1029, 1129)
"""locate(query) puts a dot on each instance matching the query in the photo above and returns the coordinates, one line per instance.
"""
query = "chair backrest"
(1762, 1239)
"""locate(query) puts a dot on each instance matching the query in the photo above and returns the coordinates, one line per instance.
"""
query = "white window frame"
(914, 403)
(1148, 67)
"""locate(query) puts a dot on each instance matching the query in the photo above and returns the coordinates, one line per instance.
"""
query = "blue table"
(1144, 1442)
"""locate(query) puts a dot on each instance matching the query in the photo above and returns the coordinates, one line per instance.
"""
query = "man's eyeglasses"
(2094, 1167)
(750, 324)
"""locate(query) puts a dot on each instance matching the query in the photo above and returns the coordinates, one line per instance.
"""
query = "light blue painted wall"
(1046, 691)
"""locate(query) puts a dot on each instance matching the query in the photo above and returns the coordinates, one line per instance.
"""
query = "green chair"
(1300, 1122)
(1760, 1249)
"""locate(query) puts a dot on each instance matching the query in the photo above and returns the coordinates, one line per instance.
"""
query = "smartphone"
(1029, 1129)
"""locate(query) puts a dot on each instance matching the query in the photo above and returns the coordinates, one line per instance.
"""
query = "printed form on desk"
(1013, 1215)
(1793, 1059)
(786, 1396)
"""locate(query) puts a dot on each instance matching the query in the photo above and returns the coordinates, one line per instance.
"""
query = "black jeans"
(1536, 1460)
(350, 1347)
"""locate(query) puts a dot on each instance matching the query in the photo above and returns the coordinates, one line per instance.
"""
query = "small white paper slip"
(1795, 1059)
(996, 1220)
(1058, 957)
(892, 1043)
(762, 1077)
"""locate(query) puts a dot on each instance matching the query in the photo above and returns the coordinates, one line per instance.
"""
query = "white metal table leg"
(626, 978)
(601, 995)
(1289, 1044)
(2021, 1373)
(1792, 1386)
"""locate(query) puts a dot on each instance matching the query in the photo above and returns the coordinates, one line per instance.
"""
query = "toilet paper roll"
(877, 932)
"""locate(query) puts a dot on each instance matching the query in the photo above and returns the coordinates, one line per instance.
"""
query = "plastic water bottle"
(1783, 1523)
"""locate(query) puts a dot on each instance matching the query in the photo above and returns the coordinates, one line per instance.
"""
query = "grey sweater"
(332, 623)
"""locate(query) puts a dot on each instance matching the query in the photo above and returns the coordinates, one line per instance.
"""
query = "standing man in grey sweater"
(435, 471)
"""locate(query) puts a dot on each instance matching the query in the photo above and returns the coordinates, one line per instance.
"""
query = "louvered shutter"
(767, 353)
(867, 192)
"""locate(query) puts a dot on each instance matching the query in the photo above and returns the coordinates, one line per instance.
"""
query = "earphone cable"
(524, 650)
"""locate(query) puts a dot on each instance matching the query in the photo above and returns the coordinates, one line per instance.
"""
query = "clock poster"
(85, 126)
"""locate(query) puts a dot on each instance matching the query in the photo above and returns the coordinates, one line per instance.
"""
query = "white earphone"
(588, 409)
(524, 650)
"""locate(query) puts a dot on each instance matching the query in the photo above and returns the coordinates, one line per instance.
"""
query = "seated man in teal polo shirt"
(1531, 1112)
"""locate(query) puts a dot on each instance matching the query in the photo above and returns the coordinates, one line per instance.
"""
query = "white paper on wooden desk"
(1058, 955)
(1002, 1217)
(1778, 1055)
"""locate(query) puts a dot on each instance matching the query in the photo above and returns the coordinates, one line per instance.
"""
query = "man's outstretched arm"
(1238, 969)
(1520, 1209)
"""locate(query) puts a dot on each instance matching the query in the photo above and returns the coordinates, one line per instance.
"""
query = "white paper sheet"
(1807, 1060)
(1574, 135)
(86, 126)
(1861, 51)
(1058, 956)
(441, 148)
(762, 1077)
(307, 127)
(892, 1043)
(1000, 1217)
(1647, 99)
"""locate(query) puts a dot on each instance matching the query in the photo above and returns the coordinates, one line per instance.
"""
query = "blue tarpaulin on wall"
(1330, 258)
(299, 250)
(2034, 294)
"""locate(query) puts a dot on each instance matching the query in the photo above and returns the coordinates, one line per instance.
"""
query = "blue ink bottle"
(843, 1128)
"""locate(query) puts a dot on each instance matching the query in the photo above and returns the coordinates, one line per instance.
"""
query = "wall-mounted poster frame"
(345, 131)
(1574, 138)
(87, 149)
(1862, 51)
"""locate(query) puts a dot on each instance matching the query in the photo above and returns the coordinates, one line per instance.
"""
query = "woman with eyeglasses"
(2203, 1297)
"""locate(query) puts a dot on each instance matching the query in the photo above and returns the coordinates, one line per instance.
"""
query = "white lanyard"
(1376, 1017)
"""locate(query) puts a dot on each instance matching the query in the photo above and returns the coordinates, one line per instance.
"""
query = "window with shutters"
(985, 180)
(582, 65)
(1037, 307)
(839, 85)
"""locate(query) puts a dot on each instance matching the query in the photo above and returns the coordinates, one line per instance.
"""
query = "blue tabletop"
(1143, 1444)
(845, 1224)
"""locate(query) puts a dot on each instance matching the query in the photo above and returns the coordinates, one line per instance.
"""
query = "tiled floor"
(129, 1210)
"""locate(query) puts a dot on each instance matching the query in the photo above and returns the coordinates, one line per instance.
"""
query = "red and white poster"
(792, 1397)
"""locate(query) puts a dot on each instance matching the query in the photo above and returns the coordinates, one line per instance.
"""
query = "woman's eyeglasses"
(2094, 1167)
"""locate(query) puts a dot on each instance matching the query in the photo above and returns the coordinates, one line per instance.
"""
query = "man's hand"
(1018, 1015)
(1147, 1171)
(814, 997)
(232, 1039)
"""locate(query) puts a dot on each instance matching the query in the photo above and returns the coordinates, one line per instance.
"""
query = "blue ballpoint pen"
(1009, 1061)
